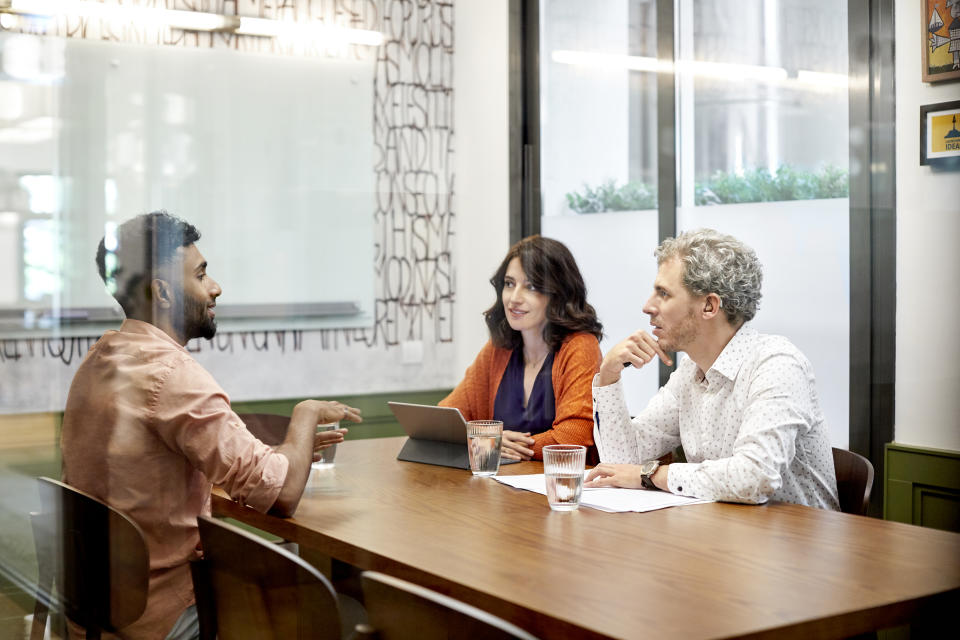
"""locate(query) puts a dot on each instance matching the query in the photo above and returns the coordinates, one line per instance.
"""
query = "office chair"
(250, 589)
(399, 610)
(854, 481)
(96, 556)
(270, 428)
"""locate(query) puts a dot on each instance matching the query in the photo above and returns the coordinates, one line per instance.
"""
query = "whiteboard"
(270, 157)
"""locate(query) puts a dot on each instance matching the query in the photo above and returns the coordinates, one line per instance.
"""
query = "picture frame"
(940, 134)
(941, 50)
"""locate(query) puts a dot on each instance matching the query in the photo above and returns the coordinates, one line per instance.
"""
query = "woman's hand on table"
(516, 445)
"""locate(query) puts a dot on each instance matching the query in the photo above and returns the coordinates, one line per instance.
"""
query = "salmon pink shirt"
(149, 431)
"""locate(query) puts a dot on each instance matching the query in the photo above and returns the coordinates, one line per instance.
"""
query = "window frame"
(872, 195)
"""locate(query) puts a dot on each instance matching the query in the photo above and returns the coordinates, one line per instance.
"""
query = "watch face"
(647, 468)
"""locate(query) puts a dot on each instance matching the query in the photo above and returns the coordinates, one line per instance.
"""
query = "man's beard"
(197, 323)
(682, 335)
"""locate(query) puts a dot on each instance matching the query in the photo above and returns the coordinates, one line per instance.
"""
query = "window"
(598, 113)
(761, 153)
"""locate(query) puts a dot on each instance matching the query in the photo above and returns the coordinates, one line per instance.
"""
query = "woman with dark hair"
(535, 373)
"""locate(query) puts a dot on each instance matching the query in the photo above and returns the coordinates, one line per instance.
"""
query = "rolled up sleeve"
(197, 420)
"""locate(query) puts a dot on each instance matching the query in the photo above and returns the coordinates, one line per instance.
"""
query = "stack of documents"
(606, 498)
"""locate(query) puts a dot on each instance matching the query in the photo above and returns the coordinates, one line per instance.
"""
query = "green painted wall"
(378, 421)
(922, 486)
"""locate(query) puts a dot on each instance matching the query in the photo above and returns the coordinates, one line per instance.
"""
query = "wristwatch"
(647, 469)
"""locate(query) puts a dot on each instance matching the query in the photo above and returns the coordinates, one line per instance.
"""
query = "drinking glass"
(563, 466)
(483, 446)
(326, 455)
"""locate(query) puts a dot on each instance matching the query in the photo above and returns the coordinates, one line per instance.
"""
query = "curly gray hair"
(717, 263)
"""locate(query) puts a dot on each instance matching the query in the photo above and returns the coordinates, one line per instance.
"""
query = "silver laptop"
(438, 435)
(428, 422)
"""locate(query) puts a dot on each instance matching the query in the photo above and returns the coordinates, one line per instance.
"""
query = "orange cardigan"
(573, 369)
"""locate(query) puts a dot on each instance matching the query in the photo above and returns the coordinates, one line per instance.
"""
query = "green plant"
(759, 185)
(608, 196)
(755, 185)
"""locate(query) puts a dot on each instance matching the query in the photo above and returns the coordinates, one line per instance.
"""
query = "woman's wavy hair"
(717, 263)
(550, 267)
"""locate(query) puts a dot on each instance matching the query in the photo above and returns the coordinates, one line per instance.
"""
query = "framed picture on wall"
(941, 40)
(940, 134)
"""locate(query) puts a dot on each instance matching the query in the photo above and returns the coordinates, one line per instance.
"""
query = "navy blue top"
(541, 409)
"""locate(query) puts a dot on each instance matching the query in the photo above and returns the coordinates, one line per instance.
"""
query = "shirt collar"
(145, 328)
(730, 360)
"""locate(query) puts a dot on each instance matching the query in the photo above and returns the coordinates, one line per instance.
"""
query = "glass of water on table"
(327, 454)
(483, 446)
(563, 466)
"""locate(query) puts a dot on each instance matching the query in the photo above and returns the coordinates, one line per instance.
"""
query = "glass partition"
(93, 133)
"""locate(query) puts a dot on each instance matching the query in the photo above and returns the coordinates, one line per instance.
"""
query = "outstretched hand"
(333, 411)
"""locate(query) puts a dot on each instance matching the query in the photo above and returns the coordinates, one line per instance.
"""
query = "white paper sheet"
(605, 498)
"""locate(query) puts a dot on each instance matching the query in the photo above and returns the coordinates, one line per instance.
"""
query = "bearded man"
(149, 431)
(743, 404)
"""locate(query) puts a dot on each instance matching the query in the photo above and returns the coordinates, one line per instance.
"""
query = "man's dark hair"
(551, 269)
(138, 249)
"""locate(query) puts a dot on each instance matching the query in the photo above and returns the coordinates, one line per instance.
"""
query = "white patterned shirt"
(751, 427)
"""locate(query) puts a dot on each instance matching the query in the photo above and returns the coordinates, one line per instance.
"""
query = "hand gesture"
(325, 439)
(638, 349)
(333, 411)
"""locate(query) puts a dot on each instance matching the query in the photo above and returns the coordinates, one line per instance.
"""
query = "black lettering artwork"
(412, 175)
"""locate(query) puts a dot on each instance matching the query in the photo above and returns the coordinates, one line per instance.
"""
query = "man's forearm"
(297, 446)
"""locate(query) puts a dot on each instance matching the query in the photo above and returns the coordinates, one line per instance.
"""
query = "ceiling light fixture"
(193, 20)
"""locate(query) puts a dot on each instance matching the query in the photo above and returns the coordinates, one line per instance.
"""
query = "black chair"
(854, 481)
(399, 610)
(94, 556)
(250, 589)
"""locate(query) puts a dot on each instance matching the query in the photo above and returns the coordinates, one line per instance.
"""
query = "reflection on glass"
(41, 260)
(598, 111)
(763, 100)
(43, 193)
(9, 257)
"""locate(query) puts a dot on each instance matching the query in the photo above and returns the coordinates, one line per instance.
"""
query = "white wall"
(481, 154)
(928, 262)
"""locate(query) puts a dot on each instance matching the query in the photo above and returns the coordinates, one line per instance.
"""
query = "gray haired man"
(743, 405)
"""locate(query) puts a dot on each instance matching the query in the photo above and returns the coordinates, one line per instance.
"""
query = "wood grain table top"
(698, 571)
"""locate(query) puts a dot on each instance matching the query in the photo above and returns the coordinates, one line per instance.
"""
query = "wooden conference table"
(698, 571)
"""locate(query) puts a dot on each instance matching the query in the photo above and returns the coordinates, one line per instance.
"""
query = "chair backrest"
(249, 588)
(399, 610)
(854, 480)
(97, 555)
(267, 427)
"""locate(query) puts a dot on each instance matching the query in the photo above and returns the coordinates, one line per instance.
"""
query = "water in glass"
(484, 451)
(563, 490)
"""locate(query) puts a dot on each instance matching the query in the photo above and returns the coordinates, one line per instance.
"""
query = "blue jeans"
(187, 626)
